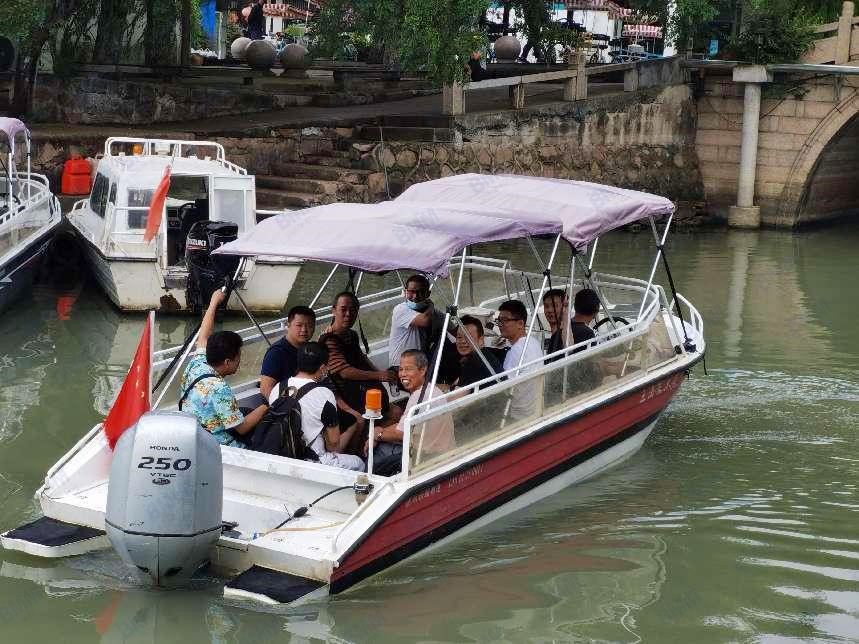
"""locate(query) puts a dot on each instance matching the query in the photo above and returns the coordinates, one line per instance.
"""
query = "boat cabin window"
(138, 198)
(230, 206)
(98, 197)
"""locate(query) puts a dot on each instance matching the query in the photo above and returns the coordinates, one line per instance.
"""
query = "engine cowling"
(165, 496)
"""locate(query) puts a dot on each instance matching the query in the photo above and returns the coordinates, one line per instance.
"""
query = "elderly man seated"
(437, 432)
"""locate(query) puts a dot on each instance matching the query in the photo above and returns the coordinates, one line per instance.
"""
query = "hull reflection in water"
(568, 584)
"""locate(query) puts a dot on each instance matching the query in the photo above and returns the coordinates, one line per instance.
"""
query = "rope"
(307, 529)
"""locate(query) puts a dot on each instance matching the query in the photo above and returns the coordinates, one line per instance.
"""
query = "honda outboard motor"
(165, 496)
(207, 273)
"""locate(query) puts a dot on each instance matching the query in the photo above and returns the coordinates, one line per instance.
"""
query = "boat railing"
(443, 429)
(176, 147)
(26, 197)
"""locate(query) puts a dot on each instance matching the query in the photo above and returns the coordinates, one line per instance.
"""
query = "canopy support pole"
(545, 283)
(324, 285)
(438, 353)
(568, 320)
(593, 254)
(688, 345)
(659, 244)
(595, 289)
(29, 183)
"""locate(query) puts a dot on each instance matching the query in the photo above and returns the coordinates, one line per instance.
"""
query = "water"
(738, 520)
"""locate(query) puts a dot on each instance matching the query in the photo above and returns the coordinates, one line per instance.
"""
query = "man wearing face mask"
(410, 320)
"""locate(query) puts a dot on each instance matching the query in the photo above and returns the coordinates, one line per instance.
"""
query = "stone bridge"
(803, 168)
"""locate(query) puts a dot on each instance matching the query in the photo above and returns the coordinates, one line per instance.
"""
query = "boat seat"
(189, 214)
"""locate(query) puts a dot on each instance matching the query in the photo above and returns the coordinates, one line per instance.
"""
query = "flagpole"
(151, 353)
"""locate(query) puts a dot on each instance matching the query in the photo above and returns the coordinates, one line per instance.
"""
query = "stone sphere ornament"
(507, 48)
(295, 56)
(260, 54)
(239, 47)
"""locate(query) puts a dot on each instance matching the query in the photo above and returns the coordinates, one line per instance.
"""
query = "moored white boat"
(29, 215)
(578, 426)
(138, 275)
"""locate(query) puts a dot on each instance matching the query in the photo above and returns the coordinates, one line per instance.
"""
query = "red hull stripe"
(450, 501)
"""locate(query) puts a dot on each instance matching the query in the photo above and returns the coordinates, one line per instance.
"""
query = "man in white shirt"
(512, 319)
(410, 319)
(319, 419)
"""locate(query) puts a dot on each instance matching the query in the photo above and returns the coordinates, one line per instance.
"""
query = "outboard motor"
(165, 496)
(207, 273)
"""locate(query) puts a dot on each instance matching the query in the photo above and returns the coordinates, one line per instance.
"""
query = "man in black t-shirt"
(586, 305)
(472, 368)
(279, 363)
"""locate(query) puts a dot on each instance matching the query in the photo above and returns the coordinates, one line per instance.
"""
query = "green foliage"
(773, 31)
(442, 35)
(378, 22)
(435, 35)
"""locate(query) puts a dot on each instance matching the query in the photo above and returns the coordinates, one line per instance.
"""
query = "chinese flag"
(133, 400)
(156, 206)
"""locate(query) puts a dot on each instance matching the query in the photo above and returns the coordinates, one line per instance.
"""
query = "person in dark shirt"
(474, 69)
(586, 305)
(472, 368)
(555, 309)
(256, 21)
(279, 363)
(351, 371)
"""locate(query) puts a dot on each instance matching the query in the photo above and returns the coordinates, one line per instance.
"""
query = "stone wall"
(91, 100)
(639, 140)
(642, 140)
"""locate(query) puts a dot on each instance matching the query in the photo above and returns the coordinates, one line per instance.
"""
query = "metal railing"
(176, 147)
(620, 341)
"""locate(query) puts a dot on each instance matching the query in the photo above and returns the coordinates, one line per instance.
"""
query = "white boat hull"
(139, 285)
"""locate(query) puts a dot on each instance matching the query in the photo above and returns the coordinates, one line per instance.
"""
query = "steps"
(317, 179)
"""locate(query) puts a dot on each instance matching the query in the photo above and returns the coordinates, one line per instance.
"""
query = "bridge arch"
(814, 190)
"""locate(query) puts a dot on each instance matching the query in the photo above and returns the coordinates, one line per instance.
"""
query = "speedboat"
(29, 215)
(209, 199)
(295, 529)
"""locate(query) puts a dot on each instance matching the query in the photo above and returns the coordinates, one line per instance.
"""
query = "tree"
(32, 24)
(111, 31)
(775, 31)
(441, 35)
(159, 37)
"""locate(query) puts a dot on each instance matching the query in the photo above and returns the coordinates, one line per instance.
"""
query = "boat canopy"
(11, 128)
(433, 221)
(581, 210)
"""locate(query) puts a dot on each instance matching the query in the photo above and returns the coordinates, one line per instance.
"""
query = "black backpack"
(279, 431)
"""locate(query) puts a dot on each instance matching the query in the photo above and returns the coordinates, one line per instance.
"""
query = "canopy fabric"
(580, 210)
(381, 237)
(433, 221)
(12, 127)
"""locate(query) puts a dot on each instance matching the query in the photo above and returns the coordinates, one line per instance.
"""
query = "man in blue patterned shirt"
(205, 393)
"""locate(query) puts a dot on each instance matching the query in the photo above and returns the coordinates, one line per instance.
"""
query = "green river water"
(737, 521)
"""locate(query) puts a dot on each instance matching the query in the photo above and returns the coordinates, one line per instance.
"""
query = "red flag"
(133, 400)
(156, 206)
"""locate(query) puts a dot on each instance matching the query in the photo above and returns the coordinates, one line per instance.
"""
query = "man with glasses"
(512, 324)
